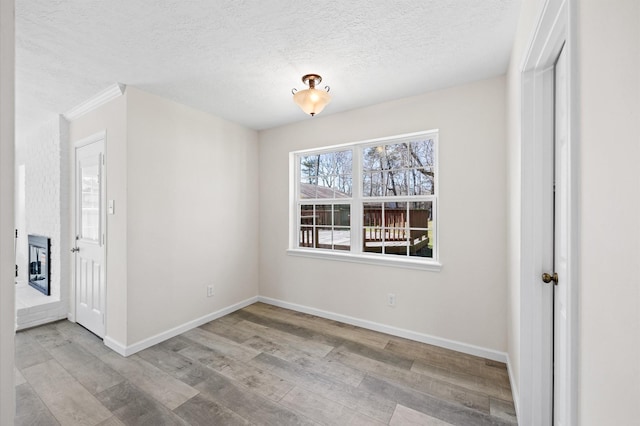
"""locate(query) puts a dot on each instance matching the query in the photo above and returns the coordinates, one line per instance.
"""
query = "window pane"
(307, 236)
(344, 187)
(420, 244)
(422, 241)
(419, 214)
(306, 215)
(395, 247)
(372, 214)
(344, 162)
(326, 175)
(421, 181)
(394, 156)
(327, 163)
(342, 215)
(395, 214)
(372, 237)
(422, 153)
(395, 234)
(398, 184)
(324, 237)
(342, 239)
(325, 186)
(307, 190)
(373, 184)
(323, 215)
(371, 159)
(90, 203)
(309, 167)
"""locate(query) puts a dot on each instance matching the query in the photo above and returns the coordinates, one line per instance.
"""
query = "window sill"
(379, 260)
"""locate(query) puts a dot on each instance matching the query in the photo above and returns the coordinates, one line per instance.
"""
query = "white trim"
(7, 220)
(125, 350)
(556, 27)
(96, 137)
(111, 92)
(369, 259)
(514, 388)
(394, 331)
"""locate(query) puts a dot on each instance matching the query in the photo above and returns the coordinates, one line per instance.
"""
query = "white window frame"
(356, 202)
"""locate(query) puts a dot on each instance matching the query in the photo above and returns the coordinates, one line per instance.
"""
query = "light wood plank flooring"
(261, 365)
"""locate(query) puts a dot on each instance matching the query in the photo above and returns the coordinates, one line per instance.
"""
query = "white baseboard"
(394, 331)
(514, 388)
(125, 350)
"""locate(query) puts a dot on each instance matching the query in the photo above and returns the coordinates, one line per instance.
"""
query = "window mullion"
(356, 204)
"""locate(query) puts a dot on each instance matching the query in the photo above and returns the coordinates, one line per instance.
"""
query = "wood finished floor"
(261, 365)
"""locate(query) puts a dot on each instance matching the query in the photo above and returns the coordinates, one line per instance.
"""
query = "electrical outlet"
(391, 299)
(209, 290)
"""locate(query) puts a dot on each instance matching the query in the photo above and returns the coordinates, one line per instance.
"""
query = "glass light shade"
(312, 101)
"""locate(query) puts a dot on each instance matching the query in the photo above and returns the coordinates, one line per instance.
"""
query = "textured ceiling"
(240, 59)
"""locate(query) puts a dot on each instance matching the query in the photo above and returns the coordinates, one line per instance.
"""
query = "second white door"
(90, 274)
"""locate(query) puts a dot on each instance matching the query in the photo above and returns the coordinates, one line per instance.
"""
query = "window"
(369, 201)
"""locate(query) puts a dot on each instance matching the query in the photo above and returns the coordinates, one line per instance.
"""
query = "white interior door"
(90, 274)
(561, 244)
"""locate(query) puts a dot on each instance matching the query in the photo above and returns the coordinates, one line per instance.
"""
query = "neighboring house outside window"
(373, 201)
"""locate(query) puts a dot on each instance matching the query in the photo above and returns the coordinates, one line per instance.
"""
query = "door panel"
(90, 250)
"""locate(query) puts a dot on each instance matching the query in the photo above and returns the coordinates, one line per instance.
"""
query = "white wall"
(7, 314)
(192, 214)
(467, 300)
(609, 60)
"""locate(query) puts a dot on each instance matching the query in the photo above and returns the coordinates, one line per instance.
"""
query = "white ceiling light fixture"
(312, 100)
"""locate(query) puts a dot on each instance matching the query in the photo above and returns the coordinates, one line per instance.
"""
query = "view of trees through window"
(326, 175)
(393, 209)
(404, 168)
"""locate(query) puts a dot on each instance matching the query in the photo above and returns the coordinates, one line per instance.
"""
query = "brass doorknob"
(547, 278)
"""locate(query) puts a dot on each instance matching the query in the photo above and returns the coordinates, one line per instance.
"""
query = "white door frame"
(555, 29)
(102, 135)
(7, 223)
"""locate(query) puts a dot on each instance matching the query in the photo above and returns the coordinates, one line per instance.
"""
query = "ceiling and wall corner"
(239, 60)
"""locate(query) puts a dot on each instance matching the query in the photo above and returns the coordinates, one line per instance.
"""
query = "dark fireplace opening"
(39, 261)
